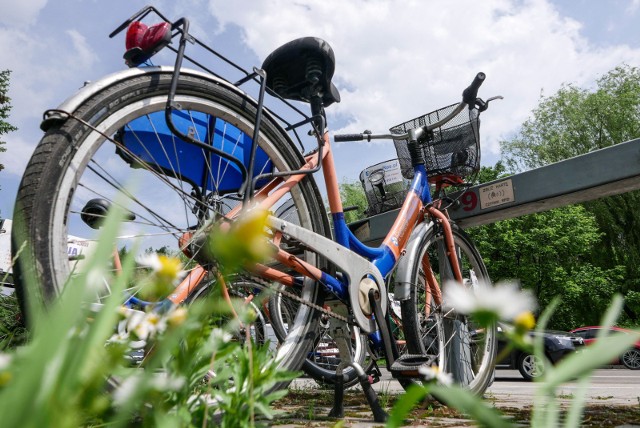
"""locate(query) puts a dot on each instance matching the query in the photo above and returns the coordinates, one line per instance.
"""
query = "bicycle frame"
(385, 257)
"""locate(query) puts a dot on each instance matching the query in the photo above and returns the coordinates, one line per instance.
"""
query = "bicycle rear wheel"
(171, 187)
(463, 350)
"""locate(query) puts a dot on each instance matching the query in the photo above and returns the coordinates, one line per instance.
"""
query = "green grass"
(12, 330)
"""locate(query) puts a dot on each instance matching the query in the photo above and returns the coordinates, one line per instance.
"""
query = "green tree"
(5, 108)
(490, 173)
(352, 194)
(550, 253)
(575, 121)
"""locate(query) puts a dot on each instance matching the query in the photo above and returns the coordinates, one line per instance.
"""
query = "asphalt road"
(612, 386)
(617, 386)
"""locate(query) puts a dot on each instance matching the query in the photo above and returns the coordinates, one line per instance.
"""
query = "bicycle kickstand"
(342, 341)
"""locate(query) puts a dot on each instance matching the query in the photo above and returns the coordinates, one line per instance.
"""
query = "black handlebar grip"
(348, 137)
(470, 94)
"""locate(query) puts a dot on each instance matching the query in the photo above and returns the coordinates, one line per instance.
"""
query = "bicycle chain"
(270, 286)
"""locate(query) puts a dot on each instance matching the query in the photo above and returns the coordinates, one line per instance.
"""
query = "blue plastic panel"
(150, 139)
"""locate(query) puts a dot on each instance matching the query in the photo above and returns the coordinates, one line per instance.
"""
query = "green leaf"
(574, 415)
(405, 404)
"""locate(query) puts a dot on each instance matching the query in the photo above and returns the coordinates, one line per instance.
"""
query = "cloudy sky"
(396, 59)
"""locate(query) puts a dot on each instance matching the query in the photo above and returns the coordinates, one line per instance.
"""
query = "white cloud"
(18, 151)
(45, 69)
(20, 13)
(85, 56)
(399, 59)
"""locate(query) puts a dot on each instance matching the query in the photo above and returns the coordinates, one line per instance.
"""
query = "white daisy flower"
(177, 316)
(218, 336)
(143, 325)
(505, 299)
(150, 325)
(124, 392)
(5, 360)
(150, 260)
(168, 383)
(166, 267)
(120, 337)
(434, 373)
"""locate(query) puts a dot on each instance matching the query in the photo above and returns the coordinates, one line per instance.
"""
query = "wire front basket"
(384, 186)
(451, 151)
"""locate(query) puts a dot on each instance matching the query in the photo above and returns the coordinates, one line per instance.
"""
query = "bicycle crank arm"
(362, 276)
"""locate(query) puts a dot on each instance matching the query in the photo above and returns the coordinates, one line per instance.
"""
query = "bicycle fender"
(410, 262)
(71, 104)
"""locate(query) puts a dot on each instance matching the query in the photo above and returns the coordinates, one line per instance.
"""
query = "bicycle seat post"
(318, 116)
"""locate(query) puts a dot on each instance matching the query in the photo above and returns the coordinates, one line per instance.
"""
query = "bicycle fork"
(450, 244)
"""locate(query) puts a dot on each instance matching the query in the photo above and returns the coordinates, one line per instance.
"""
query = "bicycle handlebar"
(349, 137)
(469, 96)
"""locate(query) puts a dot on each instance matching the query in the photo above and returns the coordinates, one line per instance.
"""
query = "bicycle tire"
(467, 355)
(54, 184)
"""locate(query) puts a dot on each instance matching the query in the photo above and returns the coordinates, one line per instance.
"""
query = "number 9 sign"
(469, 200)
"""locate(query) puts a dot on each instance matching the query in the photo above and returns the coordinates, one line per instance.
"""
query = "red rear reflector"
(143, 42)
(135, 34)
(156, 37)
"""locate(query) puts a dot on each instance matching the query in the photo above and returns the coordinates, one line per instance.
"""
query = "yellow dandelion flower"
(245, 242)
(525, 321)
(177, 317)
(169, 267)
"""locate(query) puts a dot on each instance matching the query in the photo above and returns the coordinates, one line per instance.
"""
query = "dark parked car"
(557, 345)
(630, 358)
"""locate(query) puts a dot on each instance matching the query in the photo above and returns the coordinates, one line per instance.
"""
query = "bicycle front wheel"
(463, 350)
(117, 150)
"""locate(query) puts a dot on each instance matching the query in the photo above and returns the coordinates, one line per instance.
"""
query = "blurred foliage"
(5, 109)
(78, 366)
(577, 368)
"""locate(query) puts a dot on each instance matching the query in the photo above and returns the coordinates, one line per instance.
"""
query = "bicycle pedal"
(407, 365)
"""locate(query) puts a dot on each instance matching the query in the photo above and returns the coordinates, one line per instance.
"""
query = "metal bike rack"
(605, 172)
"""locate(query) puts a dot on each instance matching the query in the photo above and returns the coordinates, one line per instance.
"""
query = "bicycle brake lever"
(483, 105)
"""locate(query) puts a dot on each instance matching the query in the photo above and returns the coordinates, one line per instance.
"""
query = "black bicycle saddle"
(301, 69)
